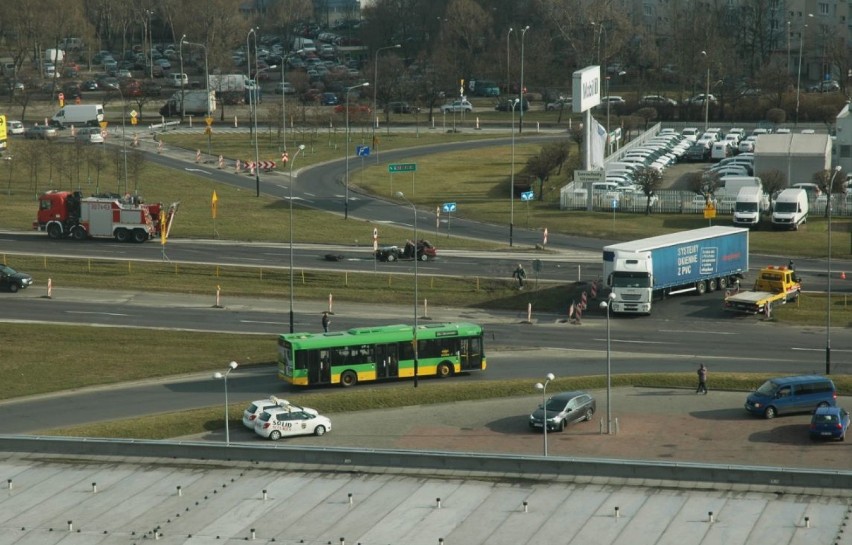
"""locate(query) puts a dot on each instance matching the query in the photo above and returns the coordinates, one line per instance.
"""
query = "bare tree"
(649, 180)
(831, 183)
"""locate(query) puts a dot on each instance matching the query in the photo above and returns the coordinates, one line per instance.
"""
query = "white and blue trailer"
(698, 261)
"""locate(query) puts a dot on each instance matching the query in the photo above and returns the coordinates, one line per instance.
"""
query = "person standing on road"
(520, 274)
(325, 321)
(702, 380)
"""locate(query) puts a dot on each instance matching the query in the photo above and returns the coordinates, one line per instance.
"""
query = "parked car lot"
(644, 415)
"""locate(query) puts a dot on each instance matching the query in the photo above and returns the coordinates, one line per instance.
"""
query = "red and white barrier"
(330, 303)
(160, 146)
(221, 162)
(49, 288)
(237, 167)
(197, 156)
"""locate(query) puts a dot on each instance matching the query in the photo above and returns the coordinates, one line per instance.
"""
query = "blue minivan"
(799, 394)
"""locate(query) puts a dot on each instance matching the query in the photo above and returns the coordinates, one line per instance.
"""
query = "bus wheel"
(348, 378)
(444, 370)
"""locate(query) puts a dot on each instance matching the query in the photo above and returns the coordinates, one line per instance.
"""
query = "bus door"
(387, 361)
(471, 353)
(318, 365)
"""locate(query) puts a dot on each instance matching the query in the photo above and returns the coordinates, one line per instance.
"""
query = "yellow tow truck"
(774, 286)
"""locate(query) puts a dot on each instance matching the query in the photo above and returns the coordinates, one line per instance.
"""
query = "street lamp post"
(799, 69)
(606, 305)
(376, 87)
(706, 92)
(206, 68)
(828, 304)
(253, 89)
(346, 148)
(543, 387)
(284, 62)
(508, 73)
(150, 51)
(224, 376)
(401, 195)
(182, 96)
(512, 104)
(292, 182)
(521, 90)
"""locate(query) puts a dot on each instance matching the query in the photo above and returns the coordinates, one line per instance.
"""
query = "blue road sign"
(362, 151)
(449, 207)
(527, 196)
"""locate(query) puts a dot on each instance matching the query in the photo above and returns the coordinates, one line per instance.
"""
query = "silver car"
(563, 409)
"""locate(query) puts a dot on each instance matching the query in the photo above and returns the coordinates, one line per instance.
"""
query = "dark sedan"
(424, 251)
(697, 153)
(563, 409)
(13, 280)
(513, 103)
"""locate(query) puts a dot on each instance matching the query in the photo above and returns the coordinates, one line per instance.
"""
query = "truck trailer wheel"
(711, 284)
(122, 235)
(701, 287)
(78, 233)
(54, 231)
(723, 282)
(139, 235)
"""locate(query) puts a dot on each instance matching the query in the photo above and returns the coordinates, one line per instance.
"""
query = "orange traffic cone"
(843, 276)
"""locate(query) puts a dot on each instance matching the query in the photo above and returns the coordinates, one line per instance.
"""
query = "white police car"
(257, 407)
(290, 421)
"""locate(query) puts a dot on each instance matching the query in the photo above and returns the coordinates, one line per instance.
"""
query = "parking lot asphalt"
(674, 425)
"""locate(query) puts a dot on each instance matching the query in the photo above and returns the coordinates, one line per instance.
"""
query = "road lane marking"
(703, 332)
(98, 313)
(261, 322)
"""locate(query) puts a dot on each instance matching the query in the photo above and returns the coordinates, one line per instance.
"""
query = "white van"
(729, 189)
(791, 209)
(719, 151)
(750, 204)
(79, 115)
(178, 80)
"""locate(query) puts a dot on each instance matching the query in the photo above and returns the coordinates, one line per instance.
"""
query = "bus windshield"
(380, 353)
(631, 280)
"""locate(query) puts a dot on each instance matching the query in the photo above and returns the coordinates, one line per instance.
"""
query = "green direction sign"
(402, 167)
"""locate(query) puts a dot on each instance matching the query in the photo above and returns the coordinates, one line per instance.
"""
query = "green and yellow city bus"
(380, 353)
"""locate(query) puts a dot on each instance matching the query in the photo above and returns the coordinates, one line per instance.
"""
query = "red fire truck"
(64, 214)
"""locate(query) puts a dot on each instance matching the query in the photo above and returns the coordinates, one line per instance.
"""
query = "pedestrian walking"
(325, 321)
(521, 275)
(702, 380)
